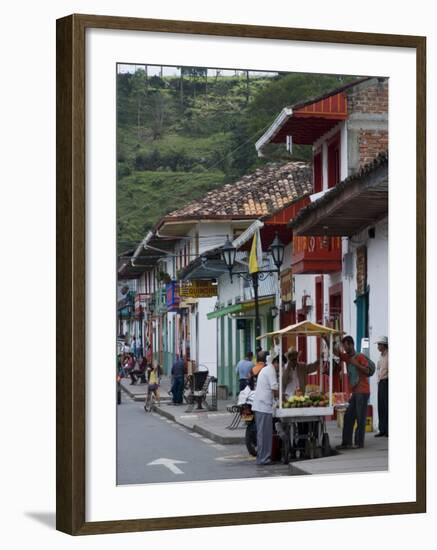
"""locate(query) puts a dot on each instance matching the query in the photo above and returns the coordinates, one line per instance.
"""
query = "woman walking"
(154, 378)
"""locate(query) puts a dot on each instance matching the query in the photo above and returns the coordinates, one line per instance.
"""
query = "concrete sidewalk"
(372, 458)
(213, 425)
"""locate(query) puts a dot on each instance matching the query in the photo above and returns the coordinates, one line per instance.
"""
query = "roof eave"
(370, 191)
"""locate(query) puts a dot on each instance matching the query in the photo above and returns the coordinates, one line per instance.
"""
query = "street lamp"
(229, 253)
(276, 249)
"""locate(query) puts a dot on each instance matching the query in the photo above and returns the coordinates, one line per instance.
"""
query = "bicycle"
(150, 398)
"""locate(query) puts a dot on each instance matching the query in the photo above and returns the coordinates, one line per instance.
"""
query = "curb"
(140, 396)
(201, 430)
(133, 395)
(218, 438)
(296, 471)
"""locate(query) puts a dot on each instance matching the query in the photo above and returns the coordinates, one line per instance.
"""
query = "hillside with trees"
(181, 136)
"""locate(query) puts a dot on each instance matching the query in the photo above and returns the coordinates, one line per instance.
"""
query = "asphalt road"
(152, 449)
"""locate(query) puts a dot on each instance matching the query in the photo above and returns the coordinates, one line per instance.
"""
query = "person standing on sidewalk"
(358, 372)
(244, 369)
(266, 391)
(382, 370)
(261, 357)
(177, 387)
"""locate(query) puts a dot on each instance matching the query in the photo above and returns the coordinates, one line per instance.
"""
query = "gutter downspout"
(285, 114)
(140, 247)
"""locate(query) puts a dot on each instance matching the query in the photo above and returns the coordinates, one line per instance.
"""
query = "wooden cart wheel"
(309, 448)
(326, 447)
(285, 452)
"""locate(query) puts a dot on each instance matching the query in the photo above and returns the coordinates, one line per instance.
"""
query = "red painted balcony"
(316, 255)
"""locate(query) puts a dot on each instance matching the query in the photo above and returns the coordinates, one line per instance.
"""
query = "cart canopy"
(305, 328)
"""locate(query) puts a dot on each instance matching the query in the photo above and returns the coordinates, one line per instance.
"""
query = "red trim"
(311, 267)
(302, 340)
(336, 289)
(284, 215)
(318, 172)
(336, 302)
(334, 106)
(319, 298)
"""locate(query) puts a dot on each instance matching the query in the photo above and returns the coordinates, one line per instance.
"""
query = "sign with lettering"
(286, 286)
(197, 289)
(361, 270)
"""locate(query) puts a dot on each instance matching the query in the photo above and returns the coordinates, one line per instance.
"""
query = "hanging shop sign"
(361, 270)
(286, 286)
(172, 298)
(197, 289)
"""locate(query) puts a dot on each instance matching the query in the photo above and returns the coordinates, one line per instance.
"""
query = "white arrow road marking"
(168, 463)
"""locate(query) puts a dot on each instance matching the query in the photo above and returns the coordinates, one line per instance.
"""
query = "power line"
(214, 165)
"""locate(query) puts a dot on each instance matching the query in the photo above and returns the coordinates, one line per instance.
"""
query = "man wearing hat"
(382, 370)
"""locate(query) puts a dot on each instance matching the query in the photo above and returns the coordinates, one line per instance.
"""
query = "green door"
(362, 303)
(221, 370)
(249, 338)
(230, 369)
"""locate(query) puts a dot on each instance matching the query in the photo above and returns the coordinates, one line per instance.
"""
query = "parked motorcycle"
(245, 401)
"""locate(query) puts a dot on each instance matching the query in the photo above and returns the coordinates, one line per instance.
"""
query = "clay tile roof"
(258, 194)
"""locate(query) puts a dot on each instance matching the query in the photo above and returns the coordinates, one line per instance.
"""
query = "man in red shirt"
(358, 371)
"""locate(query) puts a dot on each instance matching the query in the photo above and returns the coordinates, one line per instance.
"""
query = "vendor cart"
(303, 429)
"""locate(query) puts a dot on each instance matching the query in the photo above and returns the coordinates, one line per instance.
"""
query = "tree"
(139, 90)
(158, 112)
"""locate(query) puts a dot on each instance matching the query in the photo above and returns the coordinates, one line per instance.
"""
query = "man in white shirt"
(382, 370)
(266, 391)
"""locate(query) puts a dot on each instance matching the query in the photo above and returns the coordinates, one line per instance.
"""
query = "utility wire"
(214, 165)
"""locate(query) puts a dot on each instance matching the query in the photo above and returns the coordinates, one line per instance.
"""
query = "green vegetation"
(148, 195)
(179, 137)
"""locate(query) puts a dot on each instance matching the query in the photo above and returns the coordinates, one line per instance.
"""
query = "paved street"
(147, 438)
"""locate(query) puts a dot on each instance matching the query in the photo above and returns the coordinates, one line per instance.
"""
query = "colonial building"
(347, 128)
(268, 196)
(177, 281)
(357, 209)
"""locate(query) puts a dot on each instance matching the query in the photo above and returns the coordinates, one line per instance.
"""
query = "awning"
(304, 328)
(241, 307)
(134, 263)
(357, 202)
(307, 121)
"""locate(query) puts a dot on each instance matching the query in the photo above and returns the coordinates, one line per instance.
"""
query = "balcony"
(316, 255)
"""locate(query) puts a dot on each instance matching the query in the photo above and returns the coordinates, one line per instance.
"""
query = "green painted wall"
(221, 369)
(230, 369)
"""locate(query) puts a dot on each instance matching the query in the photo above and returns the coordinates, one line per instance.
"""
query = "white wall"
(323, 143)
(207, 335)
(377, 281)
(228, 291)
(213, 234)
